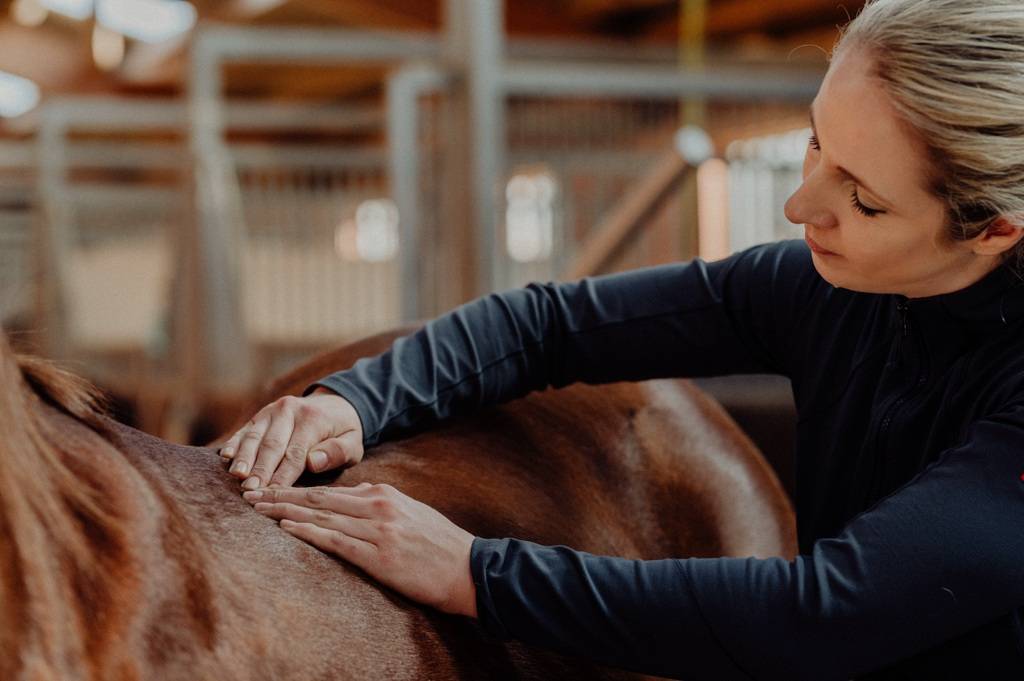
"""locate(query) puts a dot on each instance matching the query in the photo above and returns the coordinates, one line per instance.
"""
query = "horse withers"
(126, 557)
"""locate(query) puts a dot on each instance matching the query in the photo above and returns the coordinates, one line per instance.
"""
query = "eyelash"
(854, 199)
(860, 207)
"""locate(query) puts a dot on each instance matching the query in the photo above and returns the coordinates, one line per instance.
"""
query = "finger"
(345, 449)
(360, 528)
(303, 437)
(271, 449)
(327, 498)
(228, 449)
(355, 551)
(249, 440)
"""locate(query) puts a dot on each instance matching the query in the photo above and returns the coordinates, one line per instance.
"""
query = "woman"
(899, 323)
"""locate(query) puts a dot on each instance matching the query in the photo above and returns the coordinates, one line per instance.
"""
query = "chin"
(839, 279)
(825, 272)
(851, 283)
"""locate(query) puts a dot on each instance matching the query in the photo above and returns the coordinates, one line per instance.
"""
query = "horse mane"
(61, 539)
(62, 389)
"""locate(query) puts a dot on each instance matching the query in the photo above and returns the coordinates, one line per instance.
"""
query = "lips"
(816, 248)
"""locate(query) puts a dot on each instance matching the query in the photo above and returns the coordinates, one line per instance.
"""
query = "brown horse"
(125, 557)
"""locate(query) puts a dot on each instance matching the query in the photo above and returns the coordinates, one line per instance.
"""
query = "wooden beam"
(362, 13)
(538, 17)
(629, 216)
(301, 81)
(248, 9)
(50, 57)
(591, 10)
(730, 17)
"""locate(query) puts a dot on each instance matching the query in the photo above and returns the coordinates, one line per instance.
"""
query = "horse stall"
(566, 198)
(303, 185)
(113, 198)
(18, 213)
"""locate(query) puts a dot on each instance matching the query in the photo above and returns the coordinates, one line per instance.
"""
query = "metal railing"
(224, 238)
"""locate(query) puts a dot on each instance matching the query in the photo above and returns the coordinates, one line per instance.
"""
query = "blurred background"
(195, 196)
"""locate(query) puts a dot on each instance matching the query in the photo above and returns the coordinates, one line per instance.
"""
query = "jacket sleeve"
(735, 315)
(938, 558)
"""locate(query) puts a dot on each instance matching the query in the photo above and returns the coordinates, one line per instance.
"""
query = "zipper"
(894, 406)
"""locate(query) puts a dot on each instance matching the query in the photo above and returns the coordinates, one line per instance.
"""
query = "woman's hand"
(320, 431)
(399, 541)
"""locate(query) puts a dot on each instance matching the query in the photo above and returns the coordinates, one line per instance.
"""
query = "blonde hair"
(954, 70)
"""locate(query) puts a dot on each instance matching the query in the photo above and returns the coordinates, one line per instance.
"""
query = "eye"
(814, 143)
(861, 208)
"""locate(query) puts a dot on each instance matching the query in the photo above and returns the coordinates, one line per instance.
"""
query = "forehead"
(861, 131)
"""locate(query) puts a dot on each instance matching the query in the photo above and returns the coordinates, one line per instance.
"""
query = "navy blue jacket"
(910, 468)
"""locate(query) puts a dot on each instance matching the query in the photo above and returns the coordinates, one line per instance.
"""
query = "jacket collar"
(952, 323)
(995, 299)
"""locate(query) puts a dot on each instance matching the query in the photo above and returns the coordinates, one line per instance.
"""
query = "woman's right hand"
(318, 432)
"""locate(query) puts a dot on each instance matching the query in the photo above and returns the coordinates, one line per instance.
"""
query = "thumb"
(335, 452)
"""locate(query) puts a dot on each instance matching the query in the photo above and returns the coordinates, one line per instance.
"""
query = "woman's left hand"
(399, 541)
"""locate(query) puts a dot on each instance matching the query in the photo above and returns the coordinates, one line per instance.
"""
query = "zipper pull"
(901, 307)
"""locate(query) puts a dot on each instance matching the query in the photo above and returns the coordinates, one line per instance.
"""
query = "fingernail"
(261, 507)
(287, 524)
(252, 495)
(227, 452)
(318, 459)
(251, 483)
(240, 467)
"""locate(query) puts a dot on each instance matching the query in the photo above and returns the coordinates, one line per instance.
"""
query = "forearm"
(485, 352)
(917, 575)
(637, 615)
(686, 319)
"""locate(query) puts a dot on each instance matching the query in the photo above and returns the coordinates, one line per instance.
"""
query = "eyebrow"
(844, 170)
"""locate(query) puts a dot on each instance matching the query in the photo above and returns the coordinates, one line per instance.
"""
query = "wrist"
(463, 597)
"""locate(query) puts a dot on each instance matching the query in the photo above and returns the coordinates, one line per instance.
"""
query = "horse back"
(646, 470)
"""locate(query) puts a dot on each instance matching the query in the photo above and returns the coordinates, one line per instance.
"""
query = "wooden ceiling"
(56, 55)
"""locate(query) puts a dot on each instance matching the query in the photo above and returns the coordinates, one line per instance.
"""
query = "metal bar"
(124, 155)
(122, 199)
(588, 50)
(281, 115)
(627, 161)
(404, 88)
(217, 316)
(249, 156)
(53, 235)
(579, 80)
(114, 114)
(303, 44)
(476, 43)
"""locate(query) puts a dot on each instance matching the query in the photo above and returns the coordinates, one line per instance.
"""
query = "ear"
(1001, 236)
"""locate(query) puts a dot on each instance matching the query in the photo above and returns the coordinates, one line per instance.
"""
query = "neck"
(972, 270)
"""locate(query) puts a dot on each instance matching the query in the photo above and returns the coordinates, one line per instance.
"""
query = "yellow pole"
(692, 34)
(692, 111)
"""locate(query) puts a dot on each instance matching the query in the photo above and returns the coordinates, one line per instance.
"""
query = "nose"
(807, 207)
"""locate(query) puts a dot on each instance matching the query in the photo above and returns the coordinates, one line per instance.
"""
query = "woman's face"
(868, 218)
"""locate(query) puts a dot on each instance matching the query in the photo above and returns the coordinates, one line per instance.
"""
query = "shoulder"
(780, 263)
(996, 376)
(784, 270)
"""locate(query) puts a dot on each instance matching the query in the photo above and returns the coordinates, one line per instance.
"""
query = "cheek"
(888, 257)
